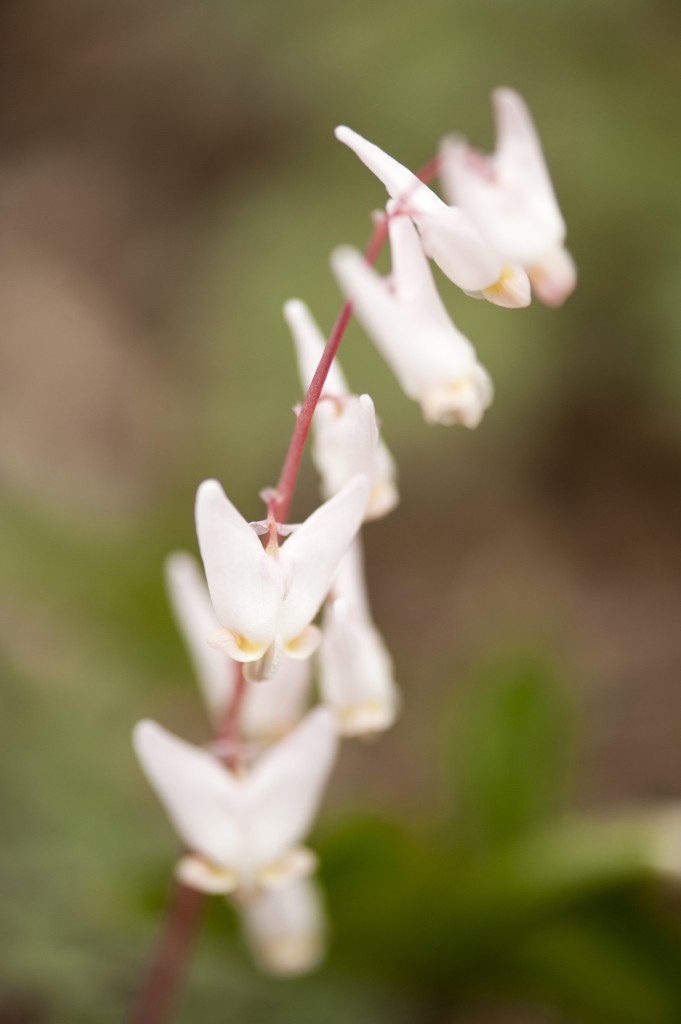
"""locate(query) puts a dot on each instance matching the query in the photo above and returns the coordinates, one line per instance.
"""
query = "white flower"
(510, 198)
(266, 598)
(405, 317)
(356, 671)
(243, 832)
(267, 710)
(346, 437)
(448, 234)
(286, 927)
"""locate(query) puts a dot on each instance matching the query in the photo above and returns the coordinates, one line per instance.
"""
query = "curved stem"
(170, 957)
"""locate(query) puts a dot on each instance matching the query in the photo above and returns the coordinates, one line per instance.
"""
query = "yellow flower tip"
(300, 862)
(384, 497)
(238, 647)
(366, 718)
(289, 955)
(198, 873)
(512, 290)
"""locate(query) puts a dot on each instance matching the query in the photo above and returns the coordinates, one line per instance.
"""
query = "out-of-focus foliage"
(168, 178)
(558, 910)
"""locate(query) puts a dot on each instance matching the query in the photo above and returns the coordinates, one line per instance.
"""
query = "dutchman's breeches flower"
(356, 670)
(346, 437)
(448, 234)
(405, 318)
(265, 598)
(510, 198)
(267, 711)
(243, 832)
(285, 927)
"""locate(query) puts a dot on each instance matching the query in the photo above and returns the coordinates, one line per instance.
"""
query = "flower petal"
(285, 787)
(198, 873)
(204, 801)
(424, 352)
(311, 555)
(246, 584)
(272, 708)
(356, 672)
(509, 196)
(448, 235)
(310, 344)
(196, 620)
(286, 928)
(400, 182)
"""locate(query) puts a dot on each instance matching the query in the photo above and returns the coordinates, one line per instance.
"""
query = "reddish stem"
(170, 957)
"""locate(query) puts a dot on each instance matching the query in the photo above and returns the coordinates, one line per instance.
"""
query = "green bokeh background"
(168, 178)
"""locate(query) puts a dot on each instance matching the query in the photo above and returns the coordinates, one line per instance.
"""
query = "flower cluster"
(243, 805)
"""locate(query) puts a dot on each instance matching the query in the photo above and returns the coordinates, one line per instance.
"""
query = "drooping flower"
(346, 437)
(356, 670)
(510, 198)
(448, 234)
(286, 927)
(406, 319)
(265, 598)
(242, 832)
(266, 711)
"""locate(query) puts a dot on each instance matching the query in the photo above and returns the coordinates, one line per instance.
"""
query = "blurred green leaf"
(510, 752)
(616, 961)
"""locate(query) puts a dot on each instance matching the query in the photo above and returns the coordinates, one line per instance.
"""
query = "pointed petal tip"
(144, 732)
(179, 566)
(208, 492)
(293, 308)
(343, 133)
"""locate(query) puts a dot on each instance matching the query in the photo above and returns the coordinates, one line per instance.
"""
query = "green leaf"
(617, 961)
(510, 752)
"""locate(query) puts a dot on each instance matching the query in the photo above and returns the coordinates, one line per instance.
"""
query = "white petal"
(285, 787)
(456, 244)
(356, 671)
(512, 290)
(273, 707)
(509, 196)
(448, 235)
(298, 862)
(554, 278)
(411, 276)
(204, 801)
(246, 584)
(311, 555)
(345, 443)
(400, 182)
(349, 581)
(196, 620)
(310, 344)
(303, 646)
(379, 313)
(198, 873)
(432, 360)
(518, 141)
(384, 495)
(461, 399)
(286, 928)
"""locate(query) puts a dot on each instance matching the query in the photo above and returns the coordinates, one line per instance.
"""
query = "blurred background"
(168, 178)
